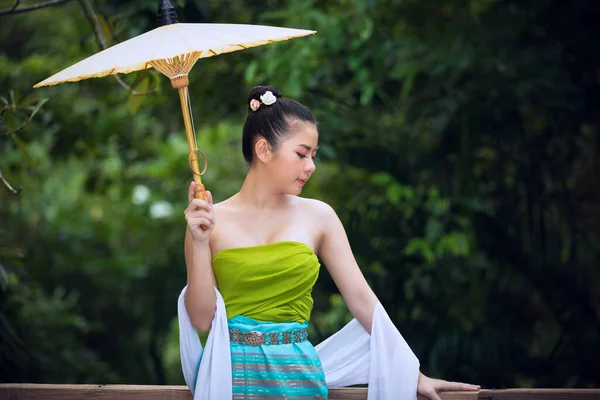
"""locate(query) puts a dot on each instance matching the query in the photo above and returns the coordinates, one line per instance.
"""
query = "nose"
(311, 166)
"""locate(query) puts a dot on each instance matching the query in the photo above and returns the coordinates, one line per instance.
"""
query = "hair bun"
(258, 91)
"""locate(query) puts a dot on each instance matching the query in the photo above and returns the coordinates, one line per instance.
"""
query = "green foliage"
(458, 145)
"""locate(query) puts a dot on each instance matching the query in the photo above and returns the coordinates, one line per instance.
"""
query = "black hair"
(271, 121)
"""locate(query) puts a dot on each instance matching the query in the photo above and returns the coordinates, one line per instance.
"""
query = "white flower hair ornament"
(267, 99)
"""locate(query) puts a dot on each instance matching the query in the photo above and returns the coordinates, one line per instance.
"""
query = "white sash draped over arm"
(383, 360)
(207, 373)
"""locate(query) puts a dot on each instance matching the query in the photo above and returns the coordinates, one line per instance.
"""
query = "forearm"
(200, 298)
(362, 307)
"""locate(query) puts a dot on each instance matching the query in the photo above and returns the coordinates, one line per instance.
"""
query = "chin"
(295, 191)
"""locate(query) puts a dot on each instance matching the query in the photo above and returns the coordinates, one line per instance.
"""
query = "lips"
(301, 181)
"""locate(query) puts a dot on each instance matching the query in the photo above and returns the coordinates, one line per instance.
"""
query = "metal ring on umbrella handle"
(190, 161)
(199, 192)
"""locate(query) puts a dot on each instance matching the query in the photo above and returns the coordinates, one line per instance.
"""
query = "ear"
(263, 150)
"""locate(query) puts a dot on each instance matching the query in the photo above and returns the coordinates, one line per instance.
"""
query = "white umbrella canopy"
(186, 41)
(173, 49)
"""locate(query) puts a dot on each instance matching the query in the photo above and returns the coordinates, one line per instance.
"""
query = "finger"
(195, 216)
(202, 214)
(209, 197)
(196, 204)
(202, 222)
(458, 386)
(191, 191)
(432, 394)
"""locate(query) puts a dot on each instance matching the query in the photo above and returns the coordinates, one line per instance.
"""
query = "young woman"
(262, 257)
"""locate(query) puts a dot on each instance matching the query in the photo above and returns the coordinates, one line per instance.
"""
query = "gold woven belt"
(254, 338)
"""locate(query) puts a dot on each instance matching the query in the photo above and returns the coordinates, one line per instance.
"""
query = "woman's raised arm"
(200, 298)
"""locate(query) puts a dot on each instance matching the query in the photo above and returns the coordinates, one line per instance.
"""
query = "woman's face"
(294, 161)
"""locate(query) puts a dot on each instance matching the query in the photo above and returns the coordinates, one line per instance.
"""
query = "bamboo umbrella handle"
(200, 192)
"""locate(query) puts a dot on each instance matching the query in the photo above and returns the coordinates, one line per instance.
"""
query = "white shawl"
(383, 359)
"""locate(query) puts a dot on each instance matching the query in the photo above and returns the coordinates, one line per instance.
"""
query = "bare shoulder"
(316, 208)
(323, 220)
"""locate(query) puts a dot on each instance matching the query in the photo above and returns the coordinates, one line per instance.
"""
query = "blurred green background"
(459, 147)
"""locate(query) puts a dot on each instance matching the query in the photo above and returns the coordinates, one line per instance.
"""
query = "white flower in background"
(140, 194)
(161, 209)
(268, 98)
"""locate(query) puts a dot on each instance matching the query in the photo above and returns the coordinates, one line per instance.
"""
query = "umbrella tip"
(166, 13)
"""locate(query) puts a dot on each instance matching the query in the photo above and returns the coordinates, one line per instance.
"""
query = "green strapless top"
(271, 282)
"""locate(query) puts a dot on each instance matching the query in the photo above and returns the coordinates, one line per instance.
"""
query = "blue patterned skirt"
(290, 371)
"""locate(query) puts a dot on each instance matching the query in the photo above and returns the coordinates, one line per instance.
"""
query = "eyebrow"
(307, 147)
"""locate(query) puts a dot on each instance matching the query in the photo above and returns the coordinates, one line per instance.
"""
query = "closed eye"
(301, 155)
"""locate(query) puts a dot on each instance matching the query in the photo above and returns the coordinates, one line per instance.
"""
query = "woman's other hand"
(199, 215)
(430, 387)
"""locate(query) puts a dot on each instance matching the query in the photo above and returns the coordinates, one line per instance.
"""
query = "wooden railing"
(15, 391)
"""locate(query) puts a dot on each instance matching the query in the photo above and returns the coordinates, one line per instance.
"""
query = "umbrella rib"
(183, 39)
(122, 67)
(217, 39)
(227, 47)
(134, 48)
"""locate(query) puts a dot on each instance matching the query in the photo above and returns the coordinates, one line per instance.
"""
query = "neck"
(257, 191)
